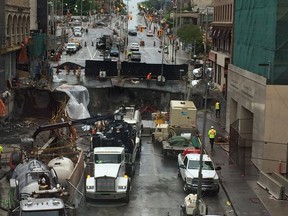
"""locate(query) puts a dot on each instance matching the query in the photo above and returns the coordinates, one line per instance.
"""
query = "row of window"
(17, 29)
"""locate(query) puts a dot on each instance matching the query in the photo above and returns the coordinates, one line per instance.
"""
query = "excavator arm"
(87, 121)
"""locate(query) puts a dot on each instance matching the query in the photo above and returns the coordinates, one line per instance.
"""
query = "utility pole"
(81, 10)
(202, 148)
(162, 42)
(127, 20)
(174, 29)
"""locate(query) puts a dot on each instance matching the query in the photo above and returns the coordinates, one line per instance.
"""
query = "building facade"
(14, 31)
(257, 85)
(221, 52)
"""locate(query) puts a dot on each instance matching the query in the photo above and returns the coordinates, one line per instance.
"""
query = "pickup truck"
(188, 166)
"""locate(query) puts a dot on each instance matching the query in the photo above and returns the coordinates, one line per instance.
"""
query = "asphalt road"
(149, 53)
(156, 190)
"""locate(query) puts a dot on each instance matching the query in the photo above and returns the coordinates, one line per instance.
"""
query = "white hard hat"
(212, 126)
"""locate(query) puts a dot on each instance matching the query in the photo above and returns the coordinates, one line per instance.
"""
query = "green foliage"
(189, 34)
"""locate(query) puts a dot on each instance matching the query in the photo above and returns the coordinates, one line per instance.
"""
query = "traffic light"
(141, 29)
(204, 38)
(130, 17)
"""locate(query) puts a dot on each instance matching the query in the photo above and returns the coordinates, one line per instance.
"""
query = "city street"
(149, 53)
(156, 190)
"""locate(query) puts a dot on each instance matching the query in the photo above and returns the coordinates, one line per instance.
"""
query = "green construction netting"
(261, 37)
(38, 46)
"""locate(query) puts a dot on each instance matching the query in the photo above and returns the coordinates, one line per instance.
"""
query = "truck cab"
(189, 165)
(42, 206)
(108, 179)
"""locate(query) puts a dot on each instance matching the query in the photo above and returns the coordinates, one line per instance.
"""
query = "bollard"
(92, 43)
(154, 43)
(85, 44)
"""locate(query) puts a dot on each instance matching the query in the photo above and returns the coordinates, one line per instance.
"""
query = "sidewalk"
(244, 194)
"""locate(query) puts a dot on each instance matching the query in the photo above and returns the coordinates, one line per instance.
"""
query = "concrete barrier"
(275, 188)
(282, 180)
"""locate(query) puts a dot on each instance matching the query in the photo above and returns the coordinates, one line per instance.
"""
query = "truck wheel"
(138, 155)
(216, 191)
(185, 188)
(183, 212)
(153, 138)
(179, 174)
(127, 198)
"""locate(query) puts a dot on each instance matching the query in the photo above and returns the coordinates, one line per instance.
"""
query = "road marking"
(95, 53)
(89, 52)
(92, 57)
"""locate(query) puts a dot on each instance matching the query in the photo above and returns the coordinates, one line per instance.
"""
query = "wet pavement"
(245, 195)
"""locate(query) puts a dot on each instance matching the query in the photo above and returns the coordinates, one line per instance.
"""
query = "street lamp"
(162, 42)
(174, 30)
(81, 9)
(206, 75)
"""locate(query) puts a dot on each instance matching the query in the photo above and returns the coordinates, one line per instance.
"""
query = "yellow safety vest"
(1, 149)
(217, 105)
(212, 133)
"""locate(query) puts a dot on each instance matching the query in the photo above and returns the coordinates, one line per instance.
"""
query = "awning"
(223, 34)
(214, 33)
(228, 34)
(219, 33)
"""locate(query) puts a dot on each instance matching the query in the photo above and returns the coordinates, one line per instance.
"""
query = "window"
(107, 158)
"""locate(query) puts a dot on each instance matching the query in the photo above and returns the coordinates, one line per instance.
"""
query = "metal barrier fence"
(239, 148)
(135, 69)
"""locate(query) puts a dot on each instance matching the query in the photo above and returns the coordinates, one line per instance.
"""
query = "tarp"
(79, 99)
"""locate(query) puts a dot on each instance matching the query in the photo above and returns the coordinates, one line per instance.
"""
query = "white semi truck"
(109, 179)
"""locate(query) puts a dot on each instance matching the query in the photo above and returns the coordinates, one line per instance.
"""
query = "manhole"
(255, 200)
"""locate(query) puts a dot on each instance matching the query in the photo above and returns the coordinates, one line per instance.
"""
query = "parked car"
(134, 47)
(132, 32)
(135, 56)
(149, 33)
(100, 24)
(139, 26)
(77, 28)
(77, 33)
(114, 52)
(71, 48)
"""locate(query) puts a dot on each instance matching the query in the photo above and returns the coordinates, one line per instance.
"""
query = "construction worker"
(129, 54)
(148, 79)
(211, 134)
(1, 150)
(217, 109)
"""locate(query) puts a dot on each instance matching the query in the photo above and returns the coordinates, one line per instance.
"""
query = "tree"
(189, 34)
